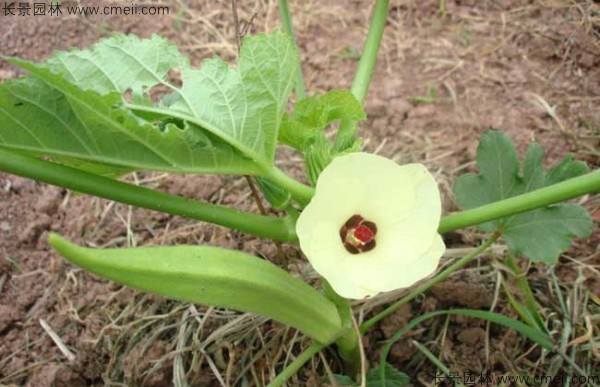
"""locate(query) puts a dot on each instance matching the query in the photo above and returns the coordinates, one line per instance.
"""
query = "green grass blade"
(531, 333)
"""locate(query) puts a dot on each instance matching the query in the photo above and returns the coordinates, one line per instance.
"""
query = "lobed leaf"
(120, 63)
(49, 116)
(542, 234)
(222, 120)
(242, 106)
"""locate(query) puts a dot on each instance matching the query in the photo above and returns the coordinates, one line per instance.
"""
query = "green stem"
(302, 193)
(281, 229)
(294, 366)
(348, 342)
(568, 189)
(286, 20)
(429, 283)
(364, 71)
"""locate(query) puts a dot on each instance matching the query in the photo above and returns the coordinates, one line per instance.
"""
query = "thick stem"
(364, 71)
(348, 342)
(368, 59)
(281, 229)
(568, 189)
(429, 283)
(286, 20)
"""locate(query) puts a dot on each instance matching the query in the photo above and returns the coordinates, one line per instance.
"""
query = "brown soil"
(486, 61)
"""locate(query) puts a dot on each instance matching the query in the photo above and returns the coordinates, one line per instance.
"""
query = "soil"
(490, 64)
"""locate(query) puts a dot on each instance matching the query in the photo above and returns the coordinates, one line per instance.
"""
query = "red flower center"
(358, 235)
(364, 234)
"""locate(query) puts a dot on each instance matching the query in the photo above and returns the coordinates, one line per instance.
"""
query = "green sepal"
(278, 197)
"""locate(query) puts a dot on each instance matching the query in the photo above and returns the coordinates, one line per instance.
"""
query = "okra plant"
(84, 118)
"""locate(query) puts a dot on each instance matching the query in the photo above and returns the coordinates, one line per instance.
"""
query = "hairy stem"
(286, 20)
(429, 283)
(281, 229)
(568, 189)
(364, 71)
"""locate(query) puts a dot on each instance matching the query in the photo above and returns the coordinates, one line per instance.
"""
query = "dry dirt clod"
(472, 336)
(9, 315)
(55, 375)
(472, 295)
(376, 108)
(49, 201)
(33, 231)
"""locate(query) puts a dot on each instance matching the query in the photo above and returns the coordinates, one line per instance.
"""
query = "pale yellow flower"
(372, 225)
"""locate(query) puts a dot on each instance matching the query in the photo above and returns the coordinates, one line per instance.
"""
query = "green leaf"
(120, 63)
(53, 117)
(96, 168)
(227, 116)
(393, 377)
(213, 276)
(542, 234)
(311, 115)
(305, 129)
(316, 157)
(344, 380)
(244, 105)
(566, 169)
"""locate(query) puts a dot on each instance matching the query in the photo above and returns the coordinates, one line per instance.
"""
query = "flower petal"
(427, 263)
(325, 251)
(386, 188)
(379, 270)
(403, 202)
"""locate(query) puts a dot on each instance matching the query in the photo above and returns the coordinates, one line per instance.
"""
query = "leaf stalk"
(565, 190)
(280, 229)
